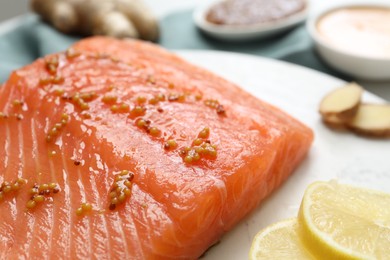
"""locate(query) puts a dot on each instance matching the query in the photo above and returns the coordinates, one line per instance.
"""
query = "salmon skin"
(118, 149)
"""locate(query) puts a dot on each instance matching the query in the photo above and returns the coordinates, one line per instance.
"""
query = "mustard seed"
(31, 204)
(154, 131)
(39, 198)
(79, 211)
(204, 133)
(86, 206)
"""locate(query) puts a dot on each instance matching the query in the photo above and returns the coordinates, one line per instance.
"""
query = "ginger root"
(116, 18)
(342, 109)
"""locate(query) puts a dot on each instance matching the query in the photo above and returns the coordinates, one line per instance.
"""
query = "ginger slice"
(341, 103)
(334, 122)
(372, 120)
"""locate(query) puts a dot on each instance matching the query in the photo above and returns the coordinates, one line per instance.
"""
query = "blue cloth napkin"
(33, 38)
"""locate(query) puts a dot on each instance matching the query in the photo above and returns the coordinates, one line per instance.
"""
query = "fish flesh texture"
(118, 149)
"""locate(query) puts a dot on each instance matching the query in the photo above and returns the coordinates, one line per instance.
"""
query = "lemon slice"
(279, 241)
(344, 222)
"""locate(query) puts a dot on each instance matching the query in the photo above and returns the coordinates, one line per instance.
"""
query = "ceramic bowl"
(358, 66)
(246, 32)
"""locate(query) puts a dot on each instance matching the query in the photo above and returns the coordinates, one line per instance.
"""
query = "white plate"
(342, 156)
(244, 33)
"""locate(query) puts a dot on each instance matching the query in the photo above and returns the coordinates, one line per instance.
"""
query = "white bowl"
(246, 32)
(358, 66)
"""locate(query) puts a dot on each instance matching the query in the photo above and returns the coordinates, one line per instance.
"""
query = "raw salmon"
(121, 150)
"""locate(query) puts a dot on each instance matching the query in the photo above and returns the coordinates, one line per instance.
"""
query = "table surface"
(162, 8)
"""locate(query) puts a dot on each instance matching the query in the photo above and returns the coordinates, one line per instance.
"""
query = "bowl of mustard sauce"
(242, 20)
(354, 39)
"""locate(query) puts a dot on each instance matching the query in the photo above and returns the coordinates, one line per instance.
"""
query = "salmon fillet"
(118, 149)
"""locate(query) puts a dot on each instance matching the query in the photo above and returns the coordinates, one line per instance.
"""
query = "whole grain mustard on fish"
(146, 152)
